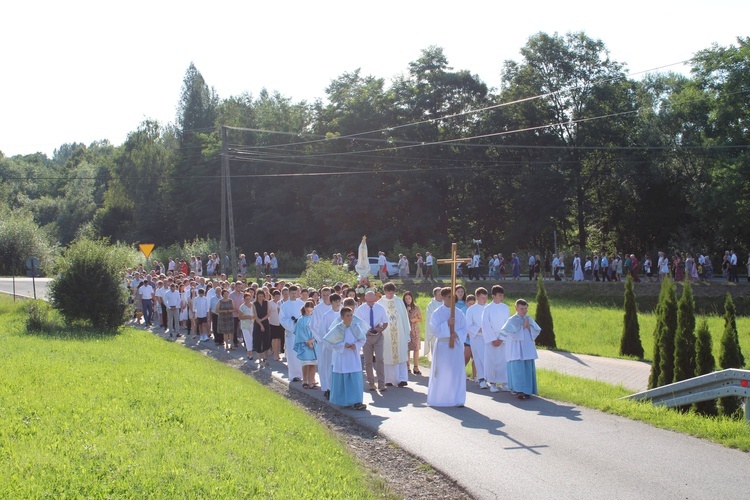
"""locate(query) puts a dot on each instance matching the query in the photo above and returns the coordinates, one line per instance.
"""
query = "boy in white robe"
(345, 338)
(521, 330)
(434, 305)
(474, 325)
(321, 349)
(447, 386)
(395, 338)
(288, 313)
(493, 318)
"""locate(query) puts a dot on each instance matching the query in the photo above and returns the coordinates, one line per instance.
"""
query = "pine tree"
(704, 364)
(630, 342)
(684, 342)
(544, 317)
(730, 355)
(667, 334)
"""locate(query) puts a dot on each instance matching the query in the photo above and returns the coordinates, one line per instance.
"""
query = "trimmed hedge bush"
(89, 288)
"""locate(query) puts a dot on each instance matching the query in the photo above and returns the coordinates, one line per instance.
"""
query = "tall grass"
(130, 415)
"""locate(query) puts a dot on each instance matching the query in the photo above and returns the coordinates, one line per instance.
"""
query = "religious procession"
(344, 339)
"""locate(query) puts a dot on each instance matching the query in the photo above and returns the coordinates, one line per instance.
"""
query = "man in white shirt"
(429, 262)
(474, 326)
(201, 306)
(532, 261)
(382, 266)
(173, 301)
(376, 318)
(159, 299)
(147, 299)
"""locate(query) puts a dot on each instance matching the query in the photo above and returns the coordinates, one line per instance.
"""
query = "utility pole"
(227, 210)
(224, 162)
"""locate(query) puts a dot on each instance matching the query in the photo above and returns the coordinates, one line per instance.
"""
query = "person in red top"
(184, 268)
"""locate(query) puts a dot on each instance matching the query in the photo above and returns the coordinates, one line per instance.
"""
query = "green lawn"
(130, 415)
(606, 397)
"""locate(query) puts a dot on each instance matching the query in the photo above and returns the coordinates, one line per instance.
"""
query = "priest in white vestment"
(493, 318)
(288, 313)
(395, 337)
(434, 305)
(474, 326)
(321, 349)
(447, 386)
(345, 338)
(521, 331)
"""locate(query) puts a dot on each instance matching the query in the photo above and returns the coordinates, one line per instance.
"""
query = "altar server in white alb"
(474, 325)
(494, 317)
(345, 338)
(447, 386)
(521, 330)
(395, 338)
(288, 315)
(434, 305)
(321, 348)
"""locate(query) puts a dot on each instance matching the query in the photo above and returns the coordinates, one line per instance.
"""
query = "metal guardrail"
(730, 382)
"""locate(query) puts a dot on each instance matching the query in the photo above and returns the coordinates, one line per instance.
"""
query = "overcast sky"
(80, 71)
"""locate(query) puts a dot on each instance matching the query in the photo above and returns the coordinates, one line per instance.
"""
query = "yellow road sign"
(146, 249)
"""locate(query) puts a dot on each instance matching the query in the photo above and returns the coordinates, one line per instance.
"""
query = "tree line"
(570, 149)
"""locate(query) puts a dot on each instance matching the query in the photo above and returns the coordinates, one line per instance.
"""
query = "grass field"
(596, 330)
(132, 416)
(606, 397)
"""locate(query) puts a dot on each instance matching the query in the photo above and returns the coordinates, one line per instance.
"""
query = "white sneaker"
(494, 388)
(505, 388)
(483, 384)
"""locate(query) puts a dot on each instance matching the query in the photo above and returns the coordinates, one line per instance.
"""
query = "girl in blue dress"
(304, 346)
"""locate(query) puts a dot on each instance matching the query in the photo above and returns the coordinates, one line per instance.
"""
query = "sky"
(82, 71)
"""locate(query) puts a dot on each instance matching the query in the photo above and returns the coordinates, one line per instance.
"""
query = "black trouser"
(596, 275)
(218, 337)
(163, 315)
(557, 274)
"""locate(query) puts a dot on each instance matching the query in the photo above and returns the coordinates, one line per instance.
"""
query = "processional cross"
(453, 261)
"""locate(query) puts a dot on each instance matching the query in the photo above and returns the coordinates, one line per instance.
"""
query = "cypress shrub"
(653, 378)
(730, 355)
(667, 334)
(704, 364)
(630, 342)
(544, 317)
(684, 342)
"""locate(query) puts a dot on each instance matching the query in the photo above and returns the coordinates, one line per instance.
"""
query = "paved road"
(25, 287)
(500, 447)
(632, 375)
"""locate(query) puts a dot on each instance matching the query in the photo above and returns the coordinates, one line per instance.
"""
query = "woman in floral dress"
(415, 338)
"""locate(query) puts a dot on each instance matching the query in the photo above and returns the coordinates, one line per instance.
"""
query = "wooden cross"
(453, 261)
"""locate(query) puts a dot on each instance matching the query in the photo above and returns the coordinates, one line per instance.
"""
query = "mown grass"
(606, 398)
(132, 416)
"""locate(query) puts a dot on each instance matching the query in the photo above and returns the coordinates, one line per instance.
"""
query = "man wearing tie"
(375, 316)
